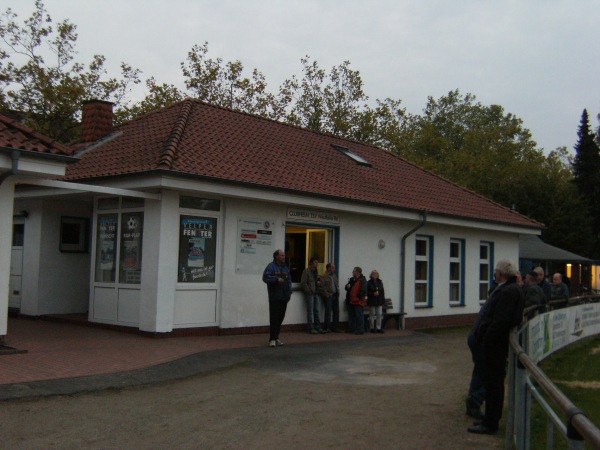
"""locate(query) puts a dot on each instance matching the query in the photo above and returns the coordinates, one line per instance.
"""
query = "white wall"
(243, 297)
(6, 206)
(54, 282)
(506, 246)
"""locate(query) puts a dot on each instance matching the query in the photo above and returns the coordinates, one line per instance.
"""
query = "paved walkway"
(59, 351)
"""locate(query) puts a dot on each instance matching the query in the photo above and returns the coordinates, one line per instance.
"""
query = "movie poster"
(197, 249)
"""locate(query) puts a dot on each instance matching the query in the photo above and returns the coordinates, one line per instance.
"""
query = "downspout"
(14, 169)
(403, 262)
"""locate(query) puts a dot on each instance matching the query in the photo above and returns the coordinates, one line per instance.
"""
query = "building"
(165, 224)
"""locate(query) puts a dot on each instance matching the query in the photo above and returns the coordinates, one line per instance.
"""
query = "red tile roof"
(192, 138)
(13, 134)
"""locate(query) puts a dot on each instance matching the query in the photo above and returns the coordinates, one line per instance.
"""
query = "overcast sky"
(539, 59)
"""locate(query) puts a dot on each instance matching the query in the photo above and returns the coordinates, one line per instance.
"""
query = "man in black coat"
(502, 311)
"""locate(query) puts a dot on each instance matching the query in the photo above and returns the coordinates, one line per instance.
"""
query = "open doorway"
(304, 242)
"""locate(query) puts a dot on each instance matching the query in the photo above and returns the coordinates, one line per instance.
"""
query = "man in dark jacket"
(279, 287)
(502, 311)
(356, 293)
(546, 287)
(534, 295)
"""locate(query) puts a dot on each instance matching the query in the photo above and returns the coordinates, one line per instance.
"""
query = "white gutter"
(403, 261)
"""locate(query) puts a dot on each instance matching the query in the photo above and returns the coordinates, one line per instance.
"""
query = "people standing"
(559, 290)
(330, 291)
(545, 287)
(534, 295)
(279, 287)
(310, 282)
(356, 291)
(375, 302)
(502, 311)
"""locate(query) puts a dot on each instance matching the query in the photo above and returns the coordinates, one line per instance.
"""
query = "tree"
(221, 84)
(159, 96)
(49, 94)
(326, 103)
(586, 175)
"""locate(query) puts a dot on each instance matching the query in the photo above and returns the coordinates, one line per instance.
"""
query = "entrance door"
(16, 266)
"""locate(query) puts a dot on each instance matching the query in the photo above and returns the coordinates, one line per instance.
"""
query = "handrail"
(576, 419)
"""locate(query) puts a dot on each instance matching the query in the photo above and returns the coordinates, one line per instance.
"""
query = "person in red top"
(356, 293)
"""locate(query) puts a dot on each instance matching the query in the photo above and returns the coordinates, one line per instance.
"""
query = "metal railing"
(524, 379)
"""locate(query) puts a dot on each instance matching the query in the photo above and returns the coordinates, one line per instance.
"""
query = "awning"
(532, 247)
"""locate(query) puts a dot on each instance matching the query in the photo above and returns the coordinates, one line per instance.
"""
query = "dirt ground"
(400, 393)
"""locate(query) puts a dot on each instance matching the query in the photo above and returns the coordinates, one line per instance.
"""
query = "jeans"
(375, 312)
(332, 305)
(356, 318)
(312, 311)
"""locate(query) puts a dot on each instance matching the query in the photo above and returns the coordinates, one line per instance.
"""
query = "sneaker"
(278, 342)
(380, 330)
(272, 343)
(313, 331)
(323, 331)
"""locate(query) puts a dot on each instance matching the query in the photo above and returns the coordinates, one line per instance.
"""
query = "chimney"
(96, 120)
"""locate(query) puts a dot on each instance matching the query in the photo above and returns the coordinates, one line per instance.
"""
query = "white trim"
(79, 187)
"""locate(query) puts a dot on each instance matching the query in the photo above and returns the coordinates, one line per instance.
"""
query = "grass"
(579, 362)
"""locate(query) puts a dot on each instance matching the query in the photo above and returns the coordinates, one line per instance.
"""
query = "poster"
(255, 245)
(197, 249)
(130, 270)
(106, 247)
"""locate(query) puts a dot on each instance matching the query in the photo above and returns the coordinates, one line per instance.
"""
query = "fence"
(536, 339)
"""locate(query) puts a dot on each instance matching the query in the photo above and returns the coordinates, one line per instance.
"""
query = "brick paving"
(57, 350)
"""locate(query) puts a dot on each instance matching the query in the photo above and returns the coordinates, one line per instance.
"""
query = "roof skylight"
(350, 154)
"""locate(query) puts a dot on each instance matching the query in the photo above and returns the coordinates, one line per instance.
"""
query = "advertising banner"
(554, 330)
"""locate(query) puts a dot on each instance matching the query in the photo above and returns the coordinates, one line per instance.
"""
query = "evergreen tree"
(586, 176)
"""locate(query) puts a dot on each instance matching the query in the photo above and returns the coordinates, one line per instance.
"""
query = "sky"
(538, 59)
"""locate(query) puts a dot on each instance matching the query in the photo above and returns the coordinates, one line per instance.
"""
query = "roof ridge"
(168, 155)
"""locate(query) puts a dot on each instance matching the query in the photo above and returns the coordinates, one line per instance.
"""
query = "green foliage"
(586, 176)
(222, 84)
(42, 81)
(579, 361)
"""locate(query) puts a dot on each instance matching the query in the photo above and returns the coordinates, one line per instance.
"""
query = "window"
(197, 249)
(457, 272)
(302, 243)
(119, 237)
(350, 154)
(73, 234)
(106, 247)
(206, 204)
(18, 236)
(130, 259)
(486, 262)
(423, 270)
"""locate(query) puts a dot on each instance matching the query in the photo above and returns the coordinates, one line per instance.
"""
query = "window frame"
(460, 260)
(490, 272)
(428, 259)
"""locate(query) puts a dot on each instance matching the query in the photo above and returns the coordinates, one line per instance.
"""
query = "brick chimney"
(96, 120)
